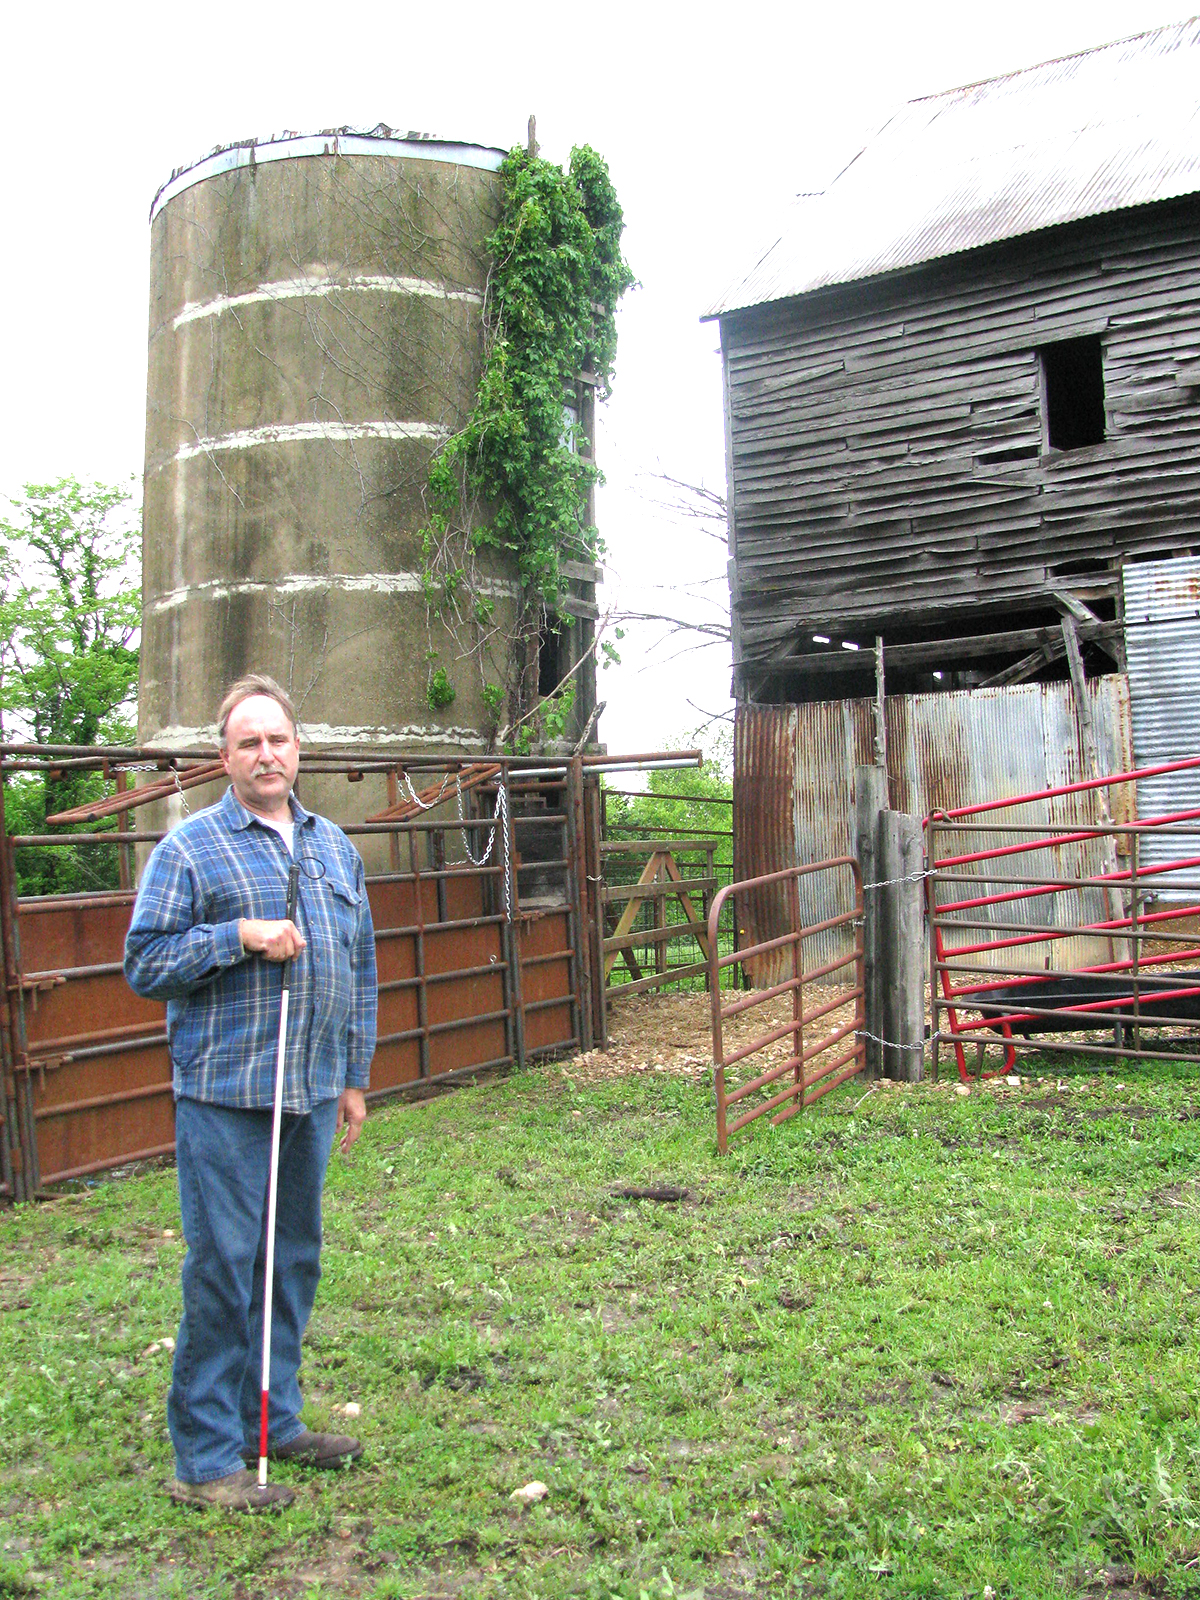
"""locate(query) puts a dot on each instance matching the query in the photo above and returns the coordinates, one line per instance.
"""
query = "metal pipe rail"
(1128, 1005)
(85, 1078)
(806, 1085)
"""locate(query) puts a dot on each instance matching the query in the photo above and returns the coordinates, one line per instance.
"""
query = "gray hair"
(253, 683)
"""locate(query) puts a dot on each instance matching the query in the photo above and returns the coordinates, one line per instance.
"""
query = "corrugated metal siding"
(1162, 646)
(1080, 137)
(944, 751)
(764, 829)
(950, 750)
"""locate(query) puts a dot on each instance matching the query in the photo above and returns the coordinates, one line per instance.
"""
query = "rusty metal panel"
(944, 750)
(764, 829)
(396, 1063)
(793, 803)
(98, 1072)
(1082, 136)
(477, 1044)
(86, 1080)
(99, 1077)
(124, 1122)
(544, 943)
(963, 748)
(69, 931)
(968, 746)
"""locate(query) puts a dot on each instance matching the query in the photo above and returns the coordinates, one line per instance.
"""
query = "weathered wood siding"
(858, 418)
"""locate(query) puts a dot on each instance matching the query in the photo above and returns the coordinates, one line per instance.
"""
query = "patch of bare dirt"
(672, 1034)
(1121, 1582)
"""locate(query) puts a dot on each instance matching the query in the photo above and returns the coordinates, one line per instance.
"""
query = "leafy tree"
(70, 610)
(678, 804)
(679, 818)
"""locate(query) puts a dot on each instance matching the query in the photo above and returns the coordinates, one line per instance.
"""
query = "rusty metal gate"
(480, 966)
(813, 1067)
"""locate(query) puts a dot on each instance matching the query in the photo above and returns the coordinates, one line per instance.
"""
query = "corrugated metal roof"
(1162, 649)
(1110, 128)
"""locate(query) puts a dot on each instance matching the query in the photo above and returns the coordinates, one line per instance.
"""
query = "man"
(209, 936)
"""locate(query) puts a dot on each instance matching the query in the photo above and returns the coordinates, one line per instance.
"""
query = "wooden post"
(1091, 757)
(901, 859)
(870, 802)
(880, 707)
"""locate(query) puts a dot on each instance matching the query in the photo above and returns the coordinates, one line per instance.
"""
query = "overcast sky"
(710, 119)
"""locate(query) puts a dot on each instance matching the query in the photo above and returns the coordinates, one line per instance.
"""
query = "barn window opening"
(1073, 393)
(551, 655)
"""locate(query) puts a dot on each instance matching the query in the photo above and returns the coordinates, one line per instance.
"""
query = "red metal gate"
(1014, 933)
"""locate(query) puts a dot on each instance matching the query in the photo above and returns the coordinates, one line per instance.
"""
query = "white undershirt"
(285, 830)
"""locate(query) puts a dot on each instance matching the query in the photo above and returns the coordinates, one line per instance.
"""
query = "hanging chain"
(502, 811)
(888, 1044)
(153, 766)
(500, 825)
(187, 810)
(416, 798)
(913, 877)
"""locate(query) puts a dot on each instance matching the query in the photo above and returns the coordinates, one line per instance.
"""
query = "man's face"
(261, 754)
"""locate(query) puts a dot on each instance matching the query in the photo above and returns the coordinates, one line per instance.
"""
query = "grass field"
(920, 1343)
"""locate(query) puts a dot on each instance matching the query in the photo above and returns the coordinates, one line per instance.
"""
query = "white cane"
(293, 890)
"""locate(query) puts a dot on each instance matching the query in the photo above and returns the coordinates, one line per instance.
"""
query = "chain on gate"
(500, 825)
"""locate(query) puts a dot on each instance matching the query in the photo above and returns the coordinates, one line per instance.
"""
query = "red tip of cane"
(262, 1433)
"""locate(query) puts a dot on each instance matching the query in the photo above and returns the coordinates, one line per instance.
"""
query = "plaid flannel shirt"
(223, 1004)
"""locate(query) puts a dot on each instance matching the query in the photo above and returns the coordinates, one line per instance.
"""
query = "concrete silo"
(315, 333)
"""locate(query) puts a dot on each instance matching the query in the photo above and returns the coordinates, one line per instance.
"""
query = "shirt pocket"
(346, 902)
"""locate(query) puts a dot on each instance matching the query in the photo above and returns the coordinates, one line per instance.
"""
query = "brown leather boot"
(310, 1449)
(238, 1491)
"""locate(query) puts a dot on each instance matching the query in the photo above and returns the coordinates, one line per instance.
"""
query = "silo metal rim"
(331, 142)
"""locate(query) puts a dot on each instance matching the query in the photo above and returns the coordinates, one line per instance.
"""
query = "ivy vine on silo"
(513, 478)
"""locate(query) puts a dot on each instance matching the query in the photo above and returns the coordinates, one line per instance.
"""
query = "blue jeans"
(223, 1156)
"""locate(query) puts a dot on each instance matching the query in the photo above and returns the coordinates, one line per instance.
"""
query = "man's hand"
(278, 941)
(352, 1113)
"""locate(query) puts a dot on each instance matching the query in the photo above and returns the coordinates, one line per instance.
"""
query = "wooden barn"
(962, 396)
